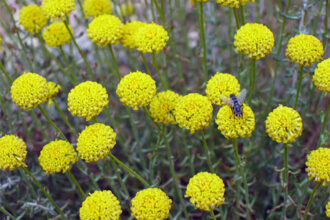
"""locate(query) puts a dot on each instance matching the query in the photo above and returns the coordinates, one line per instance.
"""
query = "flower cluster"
(57, 156)
(53, 89)
(33, 18)
(206, 191)
(317, 163)
(12, 152)
(304, 50)
(221, 84)
(58, 9)
(88, 99)
(95, 142)
(193, 112)
(57, 34)
(254, 40)
(150, 204)
(94, 8)
(233, 3)
(130, 29)
(100, 205)
(284, 124)
(321, 77)
(105, 29)
(136, 89)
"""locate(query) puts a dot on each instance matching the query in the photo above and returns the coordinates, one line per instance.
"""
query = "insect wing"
(241, 96)
(226, 100)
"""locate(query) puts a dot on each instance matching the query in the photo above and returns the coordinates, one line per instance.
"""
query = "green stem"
(207, 153)
(157, 70)
(4, 211)
(311, 199)
(236, 17)
(241, 9)
(83, 166)
(324, 123)
(201, 24)
(326, 29)
(74, 180)
(65, 118)
(114, 60)
(123, 186)
(160, 11)
(145, 63)
(6, 73)
(68, 66)
(51, 200)
(212, 214)
(286, 180)
(129, 170)
(299, 86)
(252, 80)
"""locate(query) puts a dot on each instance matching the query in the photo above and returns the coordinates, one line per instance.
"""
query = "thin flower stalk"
(122, 184)
(286, 180)
(326, 29)
(207, 153)
(201, 26)
(236, 18)
(73, 75)
(165, 86)
(301, 71)
(114, 60)
(65, 118)
(324, 123)
(4, 211)
(74, 180)
(145, 63)
(212, 214)
(311, 200)
(241, 9)
(4, 71)
(252, 80)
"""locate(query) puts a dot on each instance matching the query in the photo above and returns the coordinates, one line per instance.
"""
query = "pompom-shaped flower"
(254, 40)
(94, 8)
(222, 84)
(317, 163)
(95, 142)
(33, 18)
(193, 112)
(29, 90)
(304, 50)
(100, 205)
(58, 9)
(206, 191)
(105, 30)
(12, 152)
(88, 99)
(150, 204)
(162, 107)
(321, 77)
(130, 29)
(57, 156)
(136, 89)
(327, 212)
(53, 89)
(56, 35)
(232, 126)
(151, 38)
(284, 124)
(233, 3)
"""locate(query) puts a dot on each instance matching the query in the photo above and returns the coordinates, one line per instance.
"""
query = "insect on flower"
(236, 103)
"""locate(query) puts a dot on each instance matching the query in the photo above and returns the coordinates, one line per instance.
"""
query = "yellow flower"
(12, 152)
(162, 107)
(222, 84)
(94, 8)
(328, 209)
(232, 126)
(57, 156)
(206, 191)
(33, 18)
(127, 9)
(284, 124)
(151, 38)
(105, 30)
(304, 50)
(321, 77)
(95, 142)
(56, 35)
(53, 89)
(58, 9)
(193, 112)
(100, 205)
(136, 89)
(254, 40)
(233, 3)
(29, 90)
(88, 99)
(318, 165)
(130, 29)
(151, 204)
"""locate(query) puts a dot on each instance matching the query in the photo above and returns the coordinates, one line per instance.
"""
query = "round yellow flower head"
(33, 18)
(29, 90)
(317, 163)
(53, 89)
(232, 126)
(193, 112)
(328, 209)
(100, 205)
(254, 40)
(304, 50)
(151, 38)
(284, 124)
(321, 77)
(57, 156)
(105, 30)
(233, 3)
(58, 9)
(221, 84)
(126, 9)
(150, 204)
(130, 29)
(12, 152)
(56, 35)
(94, 8)
(95, 142)
(162, 107)
(136, 89)
(206, 191)
(88, 99)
